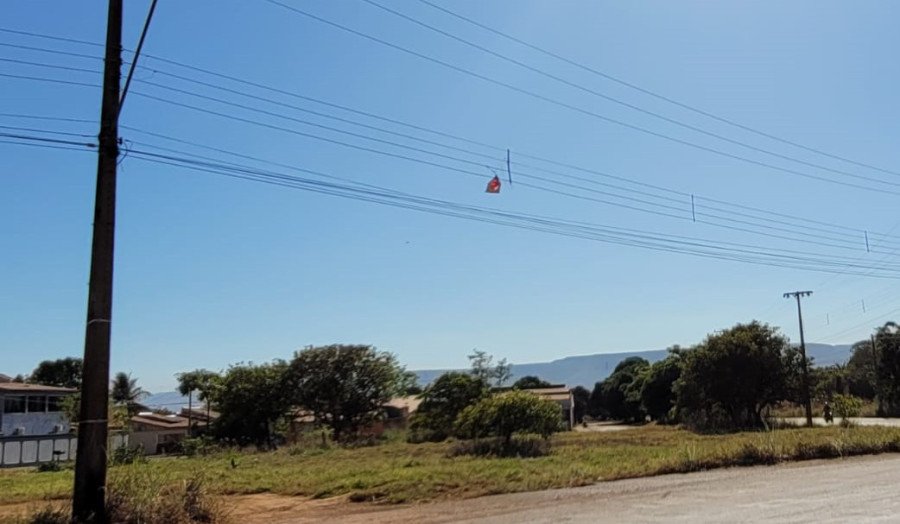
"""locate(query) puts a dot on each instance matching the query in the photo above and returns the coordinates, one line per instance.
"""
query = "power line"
(611, 98)
(653, 94)
(634, 239)
(586, 111)
(623, 236)
(806, 238)
(606, 175)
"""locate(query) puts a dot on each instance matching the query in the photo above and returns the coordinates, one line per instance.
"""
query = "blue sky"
(212, 270)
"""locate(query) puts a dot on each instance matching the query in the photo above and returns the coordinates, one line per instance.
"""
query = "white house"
(32, 409)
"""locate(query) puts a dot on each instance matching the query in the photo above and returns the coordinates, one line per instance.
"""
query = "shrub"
(498, 447)
(846, 406)
(442, 402)
(508, 414)
(126, 455)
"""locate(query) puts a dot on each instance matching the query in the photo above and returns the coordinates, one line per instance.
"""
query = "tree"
(508, 414)
(887, 344)
(483, 368)
(530, 382)
(252, 400)
(442, 402)
(729, 380)
(125, 392)
(581, 397)
(63, 372)
(189, 382)
(657, 392)
(619, 396)
(344, 386)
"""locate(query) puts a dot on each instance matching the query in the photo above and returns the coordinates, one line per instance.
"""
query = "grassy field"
(395, 471)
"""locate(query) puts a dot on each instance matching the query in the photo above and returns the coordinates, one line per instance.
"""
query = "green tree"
(442, 402)
(483, 367)
(191, 381)
(729, 380)
(63, 372)
(126, 392)
(657, 393)
(581, 397)
(252, 400)
(345, 387)
(887, 344)
(619, 396)
(861, 370)
(530, 382)
(509, 414)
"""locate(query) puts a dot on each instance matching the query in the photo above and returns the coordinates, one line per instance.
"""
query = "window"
(14, 404)
(37, 404)
(54, 404)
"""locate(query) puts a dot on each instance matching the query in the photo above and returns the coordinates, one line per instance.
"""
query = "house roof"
(161, 421)
(554, 392)
(410, 403)
(20, 388)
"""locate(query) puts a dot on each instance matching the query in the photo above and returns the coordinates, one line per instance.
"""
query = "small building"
(32, 409)
(154, 433)
(33, 426)
(399, 409)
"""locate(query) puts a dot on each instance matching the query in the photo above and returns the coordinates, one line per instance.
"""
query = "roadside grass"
(396, 471)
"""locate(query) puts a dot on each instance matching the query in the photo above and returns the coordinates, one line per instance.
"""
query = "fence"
(31, 450)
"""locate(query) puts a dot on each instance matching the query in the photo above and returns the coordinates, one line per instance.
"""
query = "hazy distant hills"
(585, 370)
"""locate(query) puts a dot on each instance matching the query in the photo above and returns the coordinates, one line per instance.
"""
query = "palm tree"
(125, 391)
(198, 380)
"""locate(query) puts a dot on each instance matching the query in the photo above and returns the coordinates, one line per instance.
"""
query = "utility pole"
(807, 403)
(89, 494)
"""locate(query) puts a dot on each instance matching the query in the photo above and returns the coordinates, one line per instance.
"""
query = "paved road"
(855, 490)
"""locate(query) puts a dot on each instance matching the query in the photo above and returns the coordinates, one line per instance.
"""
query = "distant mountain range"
(586, 370)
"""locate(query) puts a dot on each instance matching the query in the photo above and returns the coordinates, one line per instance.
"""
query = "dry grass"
(400, 472)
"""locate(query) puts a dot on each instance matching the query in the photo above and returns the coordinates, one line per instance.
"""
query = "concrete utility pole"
(807, 402)
(89, 494)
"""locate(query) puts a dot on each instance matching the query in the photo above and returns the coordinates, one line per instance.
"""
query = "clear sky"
(211, 270)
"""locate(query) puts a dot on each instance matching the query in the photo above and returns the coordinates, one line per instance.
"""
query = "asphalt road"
(863, 489)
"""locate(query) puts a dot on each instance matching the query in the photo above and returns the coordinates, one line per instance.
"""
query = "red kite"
(494, 185)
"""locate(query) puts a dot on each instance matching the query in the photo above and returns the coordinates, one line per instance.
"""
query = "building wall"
(36, 449)
(149, 441)
(33, 423)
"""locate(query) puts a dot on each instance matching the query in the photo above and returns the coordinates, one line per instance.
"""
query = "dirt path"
(853, 490)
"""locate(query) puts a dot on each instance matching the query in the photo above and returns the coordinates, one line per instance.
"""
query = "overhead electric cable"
(587, 111)
(653, 94)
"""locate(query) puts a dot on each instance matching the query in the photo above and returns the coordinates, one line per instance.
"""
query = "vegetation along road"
(851, 490)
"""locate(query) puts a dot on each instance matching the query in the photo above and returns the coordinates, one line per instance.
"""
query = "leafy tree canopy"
(530, 382)
(508, 414)
(733, 376)
(442, 401)
(345, 386)
(483, 367)
(64, 373)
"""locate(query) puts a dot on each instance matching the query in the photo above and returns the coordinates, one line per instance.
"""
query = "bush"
(498, 447)
(126, 455)
(508, 414)
(846, 406)
(442, 402)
